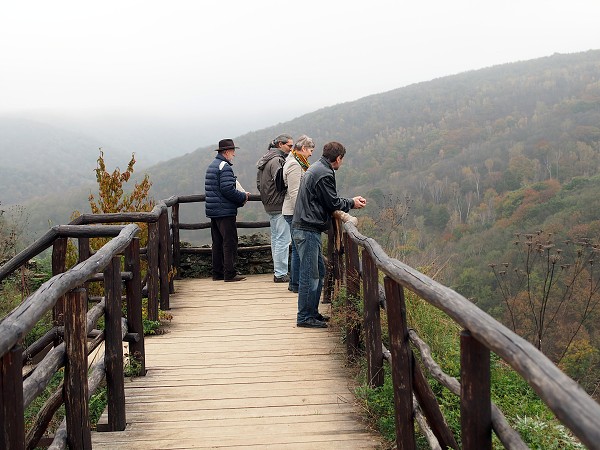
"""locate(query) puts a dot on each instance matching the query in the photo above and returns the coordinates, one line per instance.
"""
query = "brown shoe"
(281, 279)
(236, 278)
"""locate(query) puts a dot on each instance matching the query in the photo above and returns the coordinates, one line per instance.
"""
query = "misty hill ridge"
(508, 125)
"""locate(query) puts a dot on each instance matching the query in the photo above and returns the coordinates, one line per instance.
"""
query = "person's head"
(304, 146)
(334, 153)
(227, 149)
(284, 142)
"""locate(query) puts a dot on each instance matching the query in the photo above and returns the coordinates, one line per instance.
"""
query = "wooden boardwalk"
(234, 371)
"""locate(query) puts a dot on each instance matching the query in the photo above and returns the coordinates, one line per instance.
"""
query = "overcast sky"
(266, 59)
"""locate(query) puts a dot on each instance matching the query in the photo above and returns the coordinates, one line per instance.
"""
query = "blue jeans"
(295, 260)
(280, 244)
(312, 273)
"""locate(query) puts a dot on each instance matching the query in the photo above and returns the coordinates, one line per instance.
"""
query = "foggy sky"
(259, 62)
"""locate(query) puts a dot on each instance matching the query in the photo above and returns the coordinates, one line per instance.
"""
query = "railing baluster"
(163, 260)
(152, 257)
(133, 289)
(372, 321)
(114, 346)
(401, 365)
(431, 409)
(176, 240)
(83, 246)
(11, 400)
(59, 255)
(352, 293)
(76, 382)
(475, 394)
(337, 260)
(328, 282)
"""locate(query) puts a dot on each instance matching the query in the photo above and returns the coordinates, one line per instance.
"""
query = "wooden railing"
(66, 296)
(481, 335)
(176, 226)
(73, 323)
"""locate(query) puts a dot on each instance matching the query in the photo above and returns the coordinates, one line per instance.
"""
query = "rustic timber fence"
(65, 295)
(481, 335)
(176, 226)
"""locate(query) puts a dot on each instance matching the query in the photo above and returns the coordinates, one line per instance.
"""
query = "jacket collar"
(325, 162)
(222, 158)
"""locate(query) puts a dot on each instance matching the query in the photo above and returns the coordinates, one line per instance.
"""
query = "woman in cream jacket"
(295, 165)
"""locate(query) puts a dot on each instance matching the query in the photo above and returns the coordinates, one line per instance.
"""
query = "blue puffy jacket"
(222, 198)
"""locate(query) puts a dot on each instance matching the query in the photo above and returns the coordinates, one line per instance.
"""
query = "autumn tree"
(111, 195)
(112, 198)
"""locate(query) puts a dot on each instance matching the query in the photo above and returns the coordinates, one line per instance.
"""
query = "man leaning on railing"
(316, 202)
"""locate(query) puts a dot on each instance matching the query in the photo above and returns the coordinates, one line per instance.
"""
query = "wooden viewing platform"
(234, 371)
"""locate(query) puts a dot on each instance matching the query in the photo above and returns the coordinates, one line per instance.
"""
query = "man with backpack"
(272, 193)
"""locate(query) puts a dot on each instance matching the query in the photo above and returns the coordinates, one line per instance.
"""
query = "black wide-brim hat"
(225, 144)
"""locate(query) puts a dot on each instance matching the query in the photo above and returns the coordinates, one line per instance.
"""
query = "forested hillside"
(463, 175)
(474, 177)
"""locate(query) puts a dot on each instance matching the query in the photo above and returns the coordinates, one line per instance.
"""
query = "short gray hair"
(304, 141)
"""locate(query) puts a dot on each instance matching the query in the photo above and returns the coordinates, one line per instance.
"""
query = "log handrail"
(54, 233)
(18, 391)
(22, 319)
(565, 398)
(570, 404)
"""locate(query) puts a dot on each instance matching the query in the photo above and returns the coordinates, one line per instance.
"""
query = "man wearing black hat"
(222, 202)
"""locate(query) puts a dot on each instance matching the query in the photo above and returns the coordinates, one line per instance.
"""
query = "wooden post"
(172, 270)
(475, 394)
(163, 260)
(133, 288)
(401, 365)
(352, 294)
(76, 382)
(84, 252)
(59, 254)
(372, 321)
(83, 248)
(328, 282)
(152, 258)
(176, 241)
(113, 357)
(338, 250)
(11, 400)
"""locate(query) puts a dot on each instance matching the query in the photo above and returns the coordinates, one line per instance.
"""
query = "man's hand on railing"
(359, 202)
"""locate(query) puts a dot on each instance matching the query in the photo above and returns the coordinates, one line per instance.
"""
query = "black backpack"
(280, 185)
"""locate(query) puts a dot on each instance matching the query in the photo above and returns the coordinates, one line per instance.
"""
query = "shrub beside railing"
(481, 335)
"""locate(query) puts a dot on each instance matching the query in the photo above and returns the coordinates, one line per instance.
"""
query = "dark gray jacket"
(318, 198)
(267, 167)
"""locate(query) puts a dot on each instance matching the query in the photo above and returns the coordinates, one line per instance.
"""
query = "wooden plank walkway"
(233, 371)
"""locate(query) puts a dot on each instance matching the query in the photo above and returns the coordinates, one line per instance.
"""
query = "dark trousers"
(224, 247)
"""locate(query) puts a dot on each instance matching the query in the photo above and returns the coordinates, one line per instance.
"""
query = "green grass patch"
(524, 410)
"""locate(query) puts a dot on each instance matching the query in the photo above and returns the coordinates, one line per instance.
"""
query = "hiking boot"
(322, 318)
(312, 323)
(281, 279)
